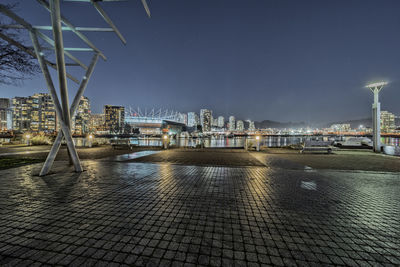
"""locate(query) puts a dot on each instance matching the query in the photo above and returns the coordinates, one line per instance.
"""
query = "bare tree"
(15, 64)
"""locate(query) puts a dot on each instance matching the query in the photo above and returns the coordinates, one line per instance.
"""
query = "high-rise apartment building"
(239, 126)
(251, 125)
(114, 118)
(81, 120)
(215, 122)
(206, 119)
(34, 113)
(387, 121)
(96, 123)
(221, 122)
(232, 123)
(6, 115)
(193, 119)
(5, 103)
(202, 115)
(25, 114)
(47, 114)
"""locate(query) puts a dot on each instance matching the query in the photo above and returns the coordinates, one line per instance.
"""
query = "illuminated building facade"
(34, 114)
(6, 115)
(206, 119)
(193, 119)
(221, 122)
(114, 118)
(215, 122)
(239, 126)
(252, 127)
(81, 120)
(387, 121)
(232, 123)
(96, 123)
(155, 123)
(344, 127)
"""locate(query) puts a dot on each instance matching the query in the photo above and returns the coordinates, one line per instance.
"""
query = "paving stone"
(244, 213)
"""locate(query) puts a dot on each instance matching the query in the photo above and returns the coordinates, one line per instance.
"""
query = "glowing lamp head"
(374, 85)
(165, 137)
(28, 136)
(90, 136)
(257, 137)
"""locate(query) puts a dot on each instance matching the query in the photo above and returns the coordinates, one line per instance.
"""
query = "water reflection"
(231, 142)
(391, 141)
(311, 185)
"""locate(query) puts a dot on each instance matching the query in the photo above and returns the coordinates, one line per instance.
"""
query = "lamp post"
(90, 140)
(376, 114)
(258, 142)
(165, 141)
(27, 137)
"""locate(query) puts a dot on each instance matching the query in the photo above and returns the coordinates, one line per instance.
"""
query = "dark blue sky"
(272, 59)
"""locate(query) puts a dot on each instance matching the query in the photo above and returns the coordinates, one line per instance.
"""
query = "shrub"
(40, 140)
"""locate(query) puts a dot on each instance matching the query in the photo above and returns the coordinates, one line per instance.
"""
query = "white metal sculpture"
(63, 110)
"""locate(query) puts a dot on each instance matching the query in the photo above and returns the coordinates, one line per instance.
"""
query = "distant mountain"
(278, 125)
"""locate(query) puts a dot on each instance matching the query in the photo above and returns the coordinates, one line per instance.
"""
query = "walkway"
(145, 214)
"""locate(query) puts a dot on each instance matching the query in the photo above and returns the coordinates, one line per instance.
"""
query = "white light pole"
(165, 141)
(90, 140)
(376, 114)
(258, 142)
(28, 141)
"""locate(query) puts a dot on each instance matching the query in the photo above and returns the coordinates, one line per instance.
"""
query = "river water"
(233, 142)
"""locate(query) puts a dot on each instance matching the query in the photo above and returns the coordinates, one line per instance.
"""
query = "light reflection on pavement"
(141, 214)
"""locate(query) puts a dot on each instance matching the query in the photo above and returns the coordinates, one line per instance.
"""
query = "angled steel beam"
(60, 60)
(146, 7)
(74, 29)
(64, 28)
(68, 54)
(75, 49)
(32, 53)
(28, 26)
(82, 87)
(15, 17)
(64, 127)
(75, 103)
(59, 48)
(108, 20)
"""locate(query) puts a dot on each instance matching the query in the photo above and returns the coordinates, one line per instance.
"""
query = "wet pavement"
(146, 214)
(203, 157)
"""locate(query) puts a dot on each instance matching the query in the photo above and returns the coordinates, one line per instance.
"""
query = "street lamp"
(258, 142)
(165, 141)
(376, 113)
(90, 140)
(27, 137)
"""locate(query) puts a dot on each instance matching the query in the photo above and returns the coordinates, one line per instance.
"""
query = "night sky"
(272, 59)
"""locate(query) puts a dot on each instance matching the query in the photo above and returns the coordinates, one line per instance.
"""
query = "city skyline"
(216, 117)
(261, 67)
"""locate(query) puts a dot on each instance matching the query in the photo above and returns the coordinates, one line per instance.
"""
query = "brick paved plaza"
(243, 209)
